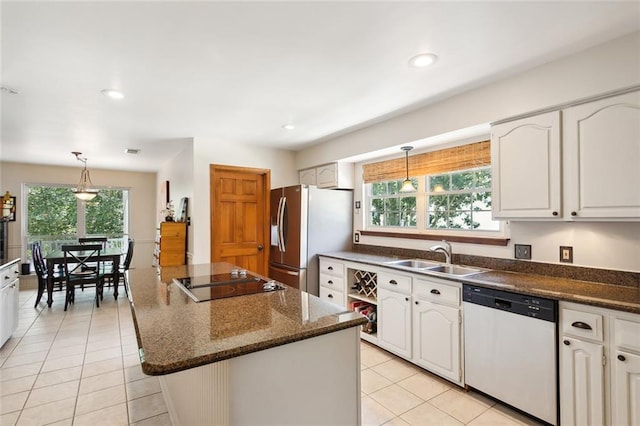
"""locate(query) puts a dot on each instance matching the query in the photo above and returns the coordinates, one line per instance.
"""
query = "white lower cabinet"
(582, 379)
(599, 366)
(394, 322)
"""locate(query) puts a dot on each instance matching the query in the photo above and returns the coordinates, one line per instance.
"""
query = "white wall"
(142, 186)
(179, 172)
(598, 70)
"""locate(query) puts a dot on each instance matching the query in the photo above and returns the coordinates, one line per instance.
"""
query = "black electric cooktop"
(219, 286)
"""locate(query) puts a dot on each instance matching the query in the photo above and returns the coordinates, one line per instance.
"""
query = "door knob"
(260, 247)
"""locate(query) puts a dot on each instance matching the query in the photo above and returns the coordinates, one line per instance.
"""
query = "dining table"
(56, 258)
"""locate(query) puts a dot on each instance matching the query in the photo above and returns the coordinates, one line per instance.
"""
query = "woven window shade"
(445, 160)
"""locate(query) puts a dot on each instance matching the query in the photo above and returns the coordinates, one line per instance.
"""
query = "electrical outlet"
(566, 254)
(356, 237)
(523, 251)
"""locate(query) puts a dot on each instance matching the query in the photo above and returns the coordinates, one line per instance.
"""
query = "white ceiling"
(235, 72)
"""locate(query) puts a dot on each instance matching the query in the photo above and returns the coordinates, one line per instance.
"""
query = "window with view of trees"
(55, 216)
(458, 200)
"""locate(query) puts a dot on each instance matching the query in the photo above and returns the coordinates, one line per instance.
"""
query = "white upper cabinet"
(579, 163)
(602, 158)
(333, 175)
(525, 155)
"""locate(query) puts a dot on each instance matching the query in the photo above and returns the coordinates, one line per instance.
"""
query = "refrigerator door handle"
(285, 271)
(281, 207)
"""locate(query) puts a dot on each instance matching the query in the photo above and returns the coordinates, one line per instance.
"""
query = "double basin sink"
(425, 266)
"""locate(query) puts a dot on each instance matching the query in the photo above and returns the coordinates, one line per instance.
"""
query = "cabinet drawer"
(581, 324)
(331, 267)
(9, 274)
(394, 282)
(332, 282)
(332, 296)
(627, 334)
(437, 292)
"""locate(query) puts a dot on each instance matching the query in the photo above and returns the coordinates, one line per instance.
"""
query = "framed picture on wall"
(9, 209)
(182, 210)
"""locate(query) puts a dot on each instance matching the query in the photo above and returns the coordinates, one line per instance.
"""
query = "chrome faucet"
(446, 249)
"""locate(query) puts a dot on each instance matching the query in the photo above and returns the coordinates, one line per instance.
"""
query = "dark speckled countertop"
(620, 297)
(175, 333)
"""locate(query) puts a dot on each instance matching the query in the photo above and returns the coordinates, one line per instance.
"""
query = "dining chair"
(79, 261)
(42, 273)
(93, 240)
(126, 264)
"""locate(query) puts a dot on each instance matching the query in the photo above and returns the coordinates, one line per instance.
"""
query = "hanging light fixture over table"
(407, 185)
(84, 190)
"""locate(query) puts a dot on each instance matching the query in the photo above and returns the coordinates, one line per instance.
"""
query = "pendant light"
(407, 185)
(83, 191)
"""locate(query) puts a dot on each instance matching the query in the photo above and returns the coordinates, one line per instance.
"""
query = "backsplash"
(629, 279)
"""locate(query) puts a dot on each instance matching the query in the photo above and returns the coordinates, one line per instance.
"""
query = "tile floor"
(81, 367)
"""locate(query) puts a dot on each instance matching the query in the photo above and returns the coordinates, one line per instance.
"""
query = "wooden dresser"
(171, 244)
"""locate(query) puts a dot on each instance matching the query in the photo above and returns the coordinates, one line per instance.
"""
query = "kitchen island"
(276, 357)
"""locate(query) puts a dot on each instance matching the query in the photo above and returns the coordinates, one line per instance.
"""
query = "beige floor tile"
(20, 371)
(105, 366)
(493, 417)
(102, 345)
(65, 422)
(143, 387)
(13, 402)
(134, 373)
(515, 415)
(101, 381)
(66, 351)
(396, 399)
(396, 421)
(62, 363)
(22, 359)
(161, 420)
(100, 399)
(58, 376)
(395, 369)
(9, 419)
(424, 386)
(52, 393)
(145, 407)
(47, 413)
(374, 414)
(428, 415)
(109, 416)
(459, 405)
(102, 355)
(370, 381)
(17, 385)
(38, 339)
(21, 349)
(371, 357)
(131, 360)
(64, 342)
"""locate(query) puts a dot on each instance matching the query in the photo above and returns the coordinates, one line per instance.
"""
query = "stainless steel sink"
(456, 270)
(413, 263)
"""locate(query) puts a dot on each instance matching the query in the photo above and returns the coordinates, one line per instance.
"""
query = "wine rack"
(368, 283)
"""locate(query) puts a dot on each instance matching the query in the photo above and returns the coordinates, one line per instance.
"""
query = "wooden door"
(240, 216)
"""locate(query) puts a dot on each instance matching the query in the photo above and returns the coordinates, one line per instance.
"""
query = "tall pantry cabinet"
(171, 244)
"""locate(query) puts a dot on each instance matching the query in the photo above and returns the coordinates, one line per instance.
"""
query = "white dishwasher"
(511, 349)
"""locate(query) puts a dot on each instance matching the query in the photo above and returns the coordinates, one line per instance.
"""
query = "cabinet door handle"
(574, 214)
(394, 282)
(330, 268)
(581, 325)
(406, 299)
(622, 358)
(435, 291)
(330, 296)
(555, 213)
(330, 282)
(416, 302)
(566, 342)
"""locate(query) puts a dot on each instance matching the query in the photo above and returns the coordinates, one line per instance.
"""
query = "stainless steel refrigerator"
(305, 221)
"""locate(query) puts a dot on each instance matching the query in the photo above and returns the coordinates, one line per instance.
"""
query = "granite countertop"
(619, 297)
(175, 333)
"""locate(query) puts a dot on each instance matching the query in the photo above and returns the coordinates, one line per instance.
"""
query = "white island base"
(314, 381)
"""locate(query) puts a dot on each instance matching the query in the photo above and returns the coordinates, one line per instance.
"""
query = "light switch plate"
(566, 254)
(522, 251)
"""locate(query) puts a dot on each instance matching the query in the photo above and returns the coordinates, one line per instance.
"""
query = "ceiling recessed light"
(288, 126)
(423, 60)
(114, 94)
